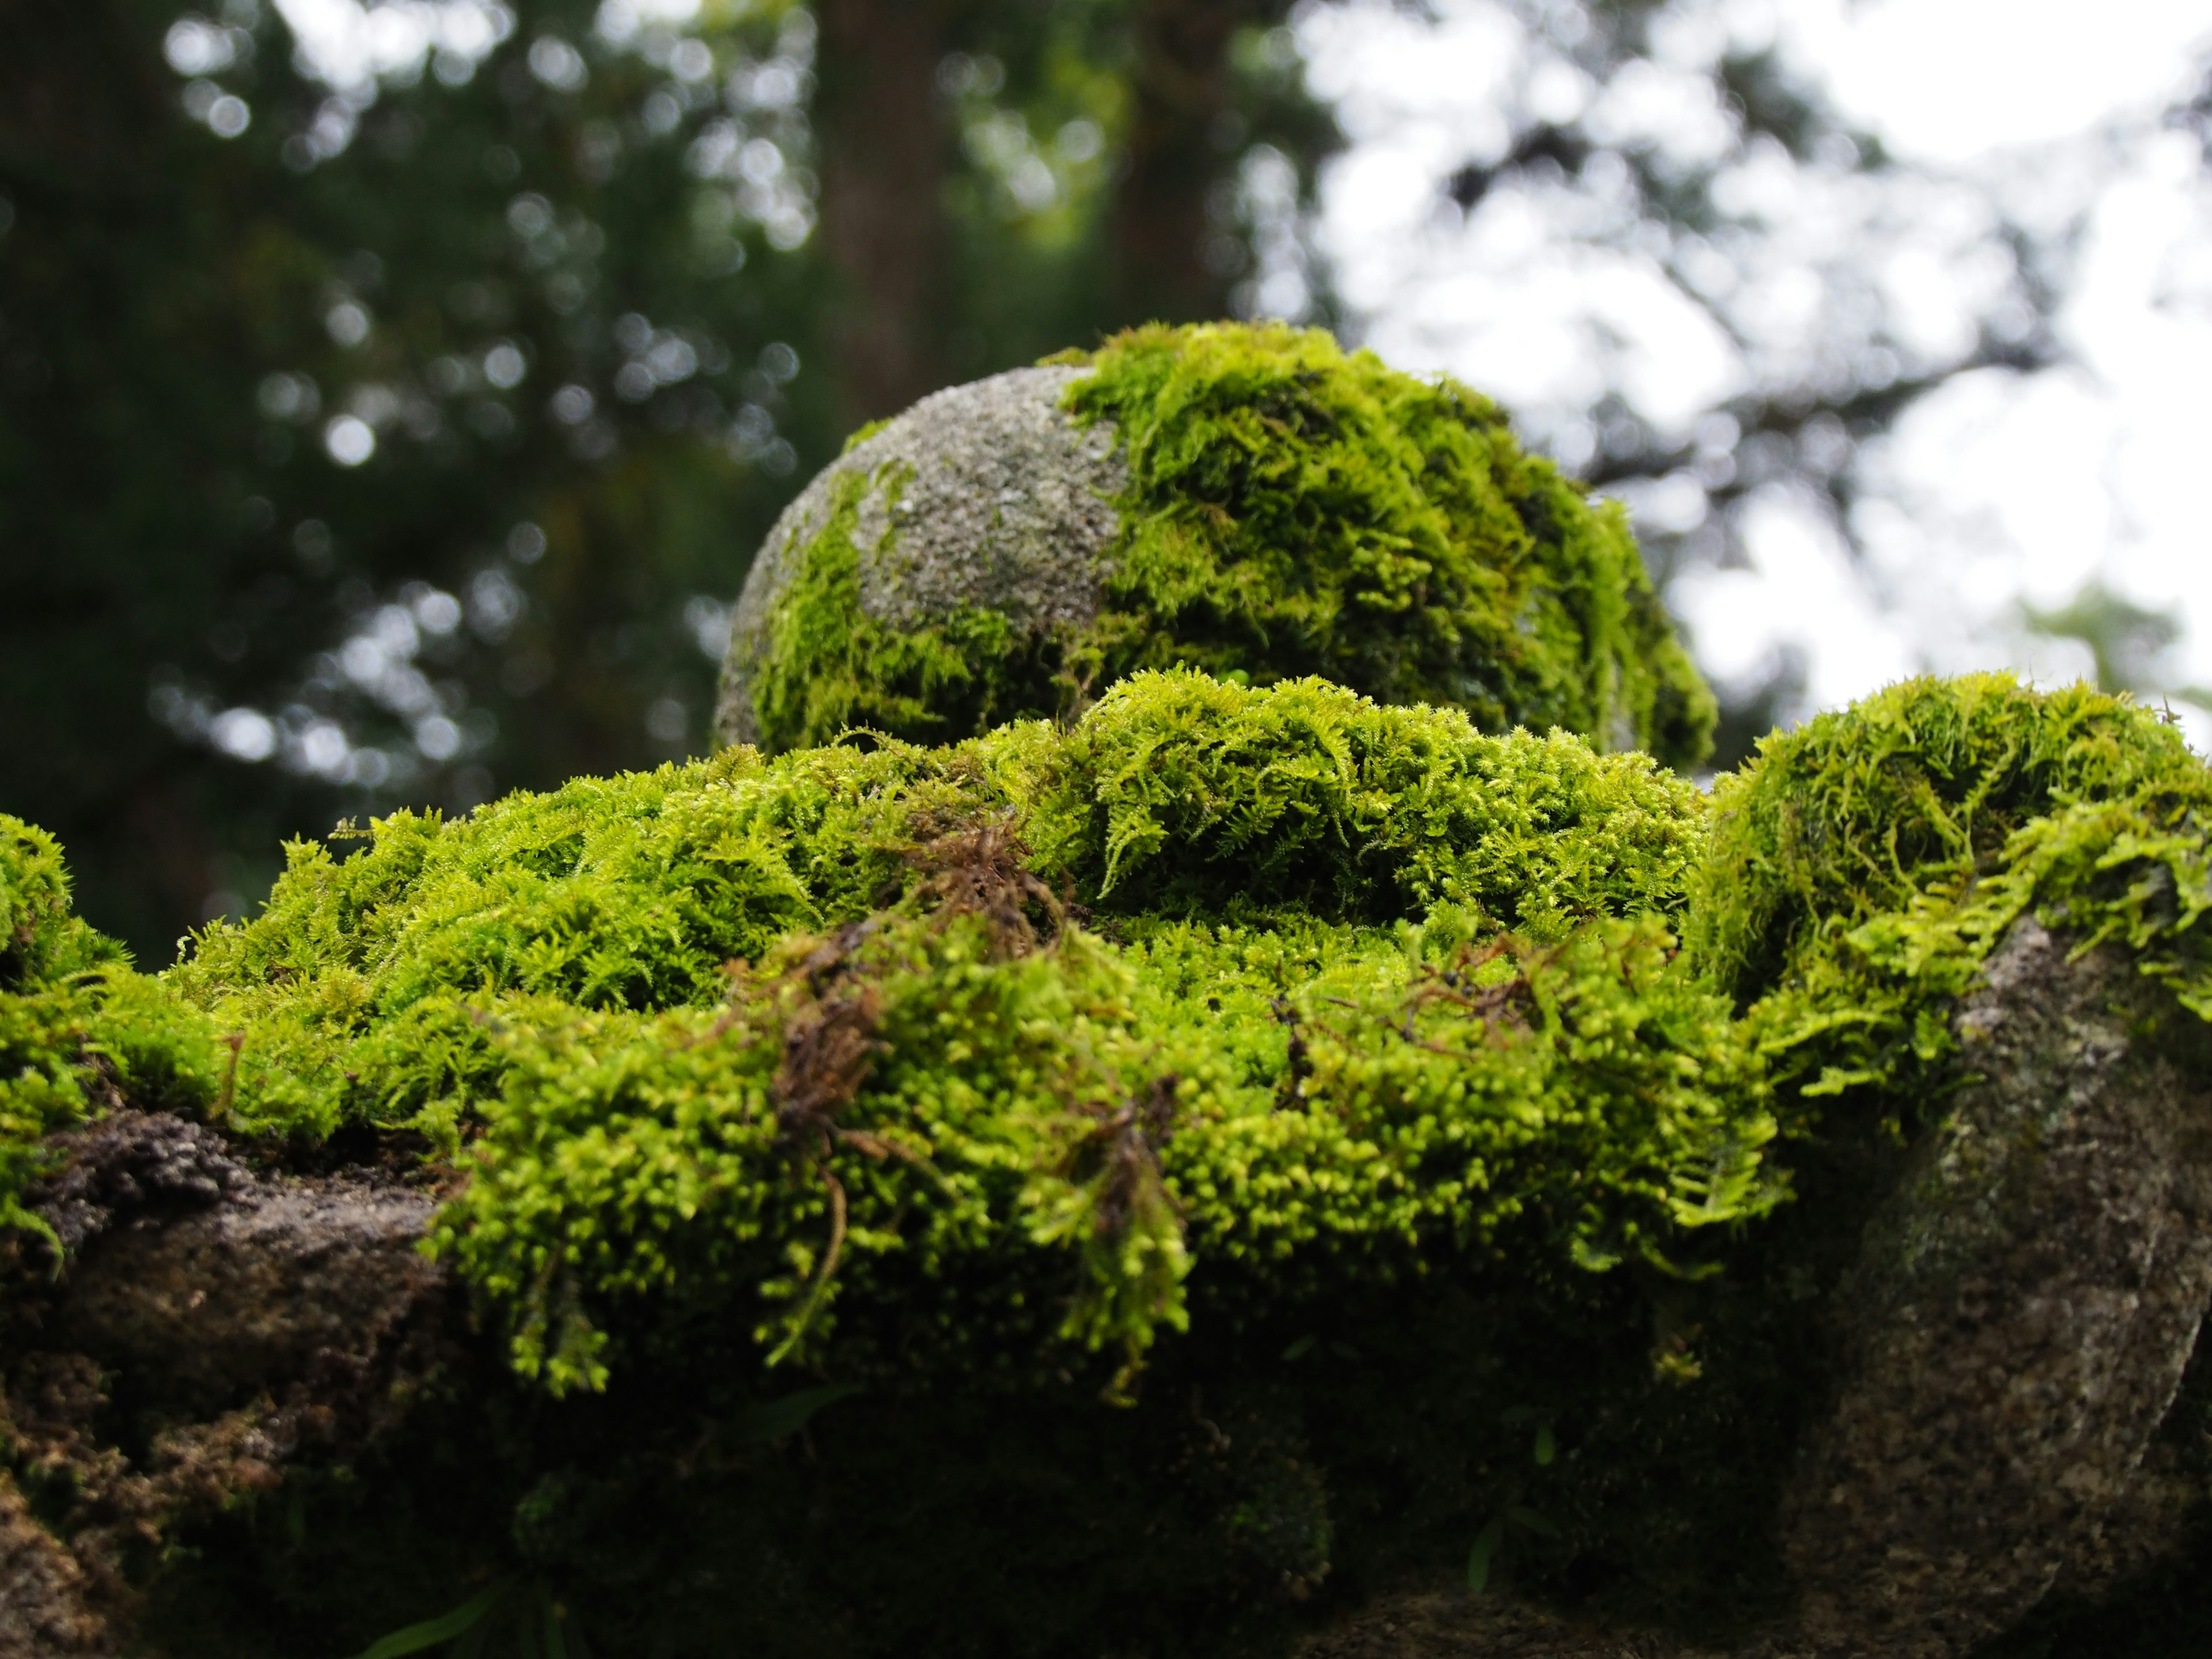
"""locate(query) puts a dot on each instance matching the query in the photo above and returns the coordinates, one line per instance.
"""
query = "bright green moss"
(1056, 1136)
(1862, 867)
(39, 940)
(1293, 510)
(1353, 991)
(79, 1030)
(830, 665)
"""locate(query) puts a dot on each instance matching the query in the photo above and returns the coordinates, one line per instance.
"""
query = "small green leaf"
(434, 1633)
(1546, 1446)
(1301, 1347)
(1479, 1559)
(778, 1418)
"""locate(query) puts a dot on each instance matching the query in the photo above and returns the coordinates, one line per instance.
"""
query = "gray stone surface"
(2020, 1319)
(213, 1284)
(988, 494)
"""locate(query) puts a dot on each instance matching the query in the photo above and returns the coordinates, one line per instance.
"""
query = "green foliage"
(1024, 1147)
(1862, 867)
(1292, 510)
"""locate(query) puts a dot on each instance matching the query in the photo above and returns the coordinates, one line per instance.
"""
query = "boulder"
(2019, 1321)
(988, 496)
(1250, 499)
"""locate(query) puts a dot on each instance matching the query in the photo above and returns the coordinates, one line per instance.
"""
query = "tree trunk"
(884, 149)
(1161, 223)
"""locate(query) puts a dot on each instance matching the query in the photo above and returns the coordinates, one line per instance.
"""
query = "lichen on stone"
(1248, 499)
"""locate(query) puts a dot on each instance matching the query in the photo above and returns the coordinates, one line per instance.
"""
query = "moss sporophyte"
(1041, 1044)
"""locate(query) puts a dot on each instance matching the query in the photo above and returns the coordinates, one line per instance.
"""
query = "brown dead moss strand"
(982, 869)
(833, 1007)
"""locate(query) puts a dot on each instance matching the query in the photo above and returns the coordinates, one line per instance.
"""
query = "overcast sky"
(1995, 490)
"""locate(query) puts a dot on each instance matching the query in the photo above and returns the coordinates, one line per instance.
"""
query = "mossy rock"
(1153, 1182)
(1248, 499)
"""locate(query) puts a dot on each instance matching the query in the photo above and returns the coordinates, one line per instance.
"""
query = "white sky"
(1994, 491)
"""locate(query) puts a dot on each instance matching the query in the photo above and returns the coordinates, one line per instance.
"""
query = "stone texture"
(2018, 1325)
(1453, 1625)
(45, 1611)
(221, 1286)
(1001, 500)
(244, 1320)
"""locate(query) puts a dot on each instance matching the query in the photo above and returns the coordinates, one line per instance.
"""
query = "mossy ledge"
(1248, 499)
(1317, 1081)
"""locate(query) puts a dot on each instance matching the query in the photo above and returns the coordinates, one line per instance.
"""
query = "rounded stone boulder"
(1245, 499)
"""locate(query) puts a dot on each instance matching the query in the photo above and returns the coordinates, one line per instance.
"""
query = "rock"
(998, 497)
(213, 1285)
(244, 1321)
(2018, 1324)
(271, 1288)
(46, 1612)
(2012, 1337)
(1246, 499)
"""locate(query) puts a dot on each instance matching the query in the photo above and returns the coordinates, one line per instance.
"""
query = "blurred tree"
(389, 406)
(2131, 646)
(390, 398)
(1667, 160)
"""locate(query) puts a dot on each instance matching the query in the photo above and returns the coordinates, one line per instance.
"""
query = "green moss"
(1318, 1079)
(1292, 510)
(1863, 866)
(543, 980)
(41, 941)
(78, 1028)
(829, 665)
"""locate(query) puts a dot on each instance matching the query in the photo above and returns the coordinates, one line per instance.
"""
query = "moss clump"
(1862, 867)
(79, 1030)
(1289, 510)
(1317, 1079)
(563, 978)
(1292, 510)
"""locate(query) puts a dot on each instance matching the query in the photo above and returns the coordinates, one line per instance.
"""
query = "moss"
(830, 665)
(554, 977)
(1862, 867)
(78, 1030)
(1317, 1078)
(1291, 511)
